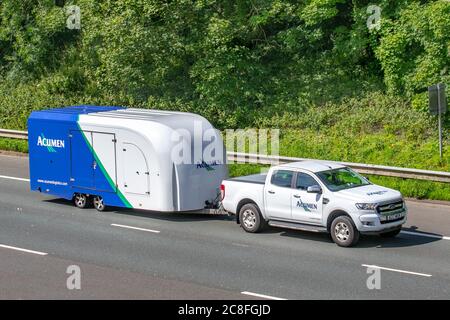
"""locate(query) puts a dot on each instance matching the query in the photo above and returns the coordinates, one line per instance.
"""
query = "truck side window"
(282, 178)
(304, 181)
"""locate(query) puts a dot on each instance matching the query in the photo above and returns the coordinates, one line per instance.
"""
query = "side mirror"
(367, 178)
(314, 189)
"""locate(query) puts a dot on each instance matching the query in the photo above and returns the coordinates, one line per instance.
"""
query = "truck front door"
(306, 207)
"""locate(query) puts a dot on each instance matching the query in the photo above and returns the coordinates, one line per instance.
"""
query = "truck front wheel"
(251, 219)
(344, 232)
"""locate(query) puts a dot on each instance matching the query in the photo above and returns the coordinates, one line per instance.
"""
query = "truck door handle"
(296, 196)
(271, 192)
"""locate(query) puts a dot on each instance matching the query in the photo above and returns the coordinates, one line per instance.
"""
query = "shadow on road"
(168, 216)
(366, 241)
(402, 240)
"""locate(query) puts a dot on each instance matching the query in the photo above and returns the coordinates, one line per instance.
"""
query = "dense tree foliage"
(233, 61)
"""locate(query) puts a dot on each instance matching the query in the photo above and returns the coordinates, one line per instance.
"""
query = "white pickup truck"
(315, 196)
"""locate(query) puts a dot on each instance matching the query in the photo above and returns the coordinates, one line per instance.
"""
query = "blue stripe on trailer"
(58, 149)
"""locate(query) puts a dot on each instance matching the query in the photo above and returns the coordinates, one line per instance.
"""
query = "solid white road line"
(134, 228)
(397, 270)
(261, 295)
(14, 178)
(23, 250)
(426, 235)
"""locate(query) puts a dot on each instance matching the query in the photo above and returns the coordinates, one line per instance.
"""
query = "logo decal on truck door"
(306, 206)
(51, 144)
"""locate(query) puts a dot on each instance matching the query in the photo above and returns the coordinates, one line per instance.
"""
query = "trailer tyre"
(98, 203)
(81, 200)
(344, 232)
(251, 219)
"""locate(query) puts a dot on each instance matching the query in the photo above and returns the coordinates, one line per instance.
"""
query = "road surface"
(130, 254)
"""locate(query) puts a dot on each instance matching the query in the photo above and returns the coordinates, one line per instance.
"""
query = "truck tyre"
(98, 203)
(251, 219)
(344, 232)
(391, 234)
(81, 200)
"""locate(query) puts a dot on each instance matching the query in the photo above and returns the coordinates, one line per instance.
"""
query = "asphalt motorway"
(130, 254)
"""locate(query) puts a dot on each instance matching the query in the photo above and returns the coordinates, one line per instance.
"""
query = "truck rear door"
(278, 194)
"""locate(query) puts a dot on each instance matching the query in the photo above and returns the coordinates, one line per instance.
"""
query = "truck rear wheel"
(344, 232)
(81, 200)
(251, 219)
(98, 203)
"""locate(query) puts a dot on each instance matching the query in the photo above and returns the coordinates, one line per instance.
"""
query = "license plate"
(393, 216)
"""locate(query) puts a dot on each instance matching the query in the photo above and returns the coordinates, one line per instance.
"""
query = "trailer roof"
(162, 116)
(172, 119)
(70, 113)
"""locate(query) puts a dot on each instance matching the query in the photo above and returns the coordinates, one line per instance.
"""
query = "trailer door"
(105, 175)
(81, 159)
(135, 170)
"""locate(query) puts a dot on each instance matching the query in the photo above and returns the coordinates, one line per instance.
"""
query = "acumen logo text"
(50, 143)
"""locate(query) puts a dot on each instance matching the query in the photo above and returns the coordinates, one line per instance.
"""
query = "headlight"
(366, 206)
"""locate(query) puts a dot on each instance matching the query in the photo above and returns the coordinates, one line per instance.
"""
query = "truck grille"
(390, 221)
(388, 208)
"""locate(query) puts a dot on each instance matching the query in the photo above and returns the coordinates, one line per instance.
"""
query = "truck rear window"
(282, 178)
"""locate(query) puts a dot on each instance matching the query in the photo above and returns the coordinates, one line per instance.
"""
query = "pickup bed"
(315, 196)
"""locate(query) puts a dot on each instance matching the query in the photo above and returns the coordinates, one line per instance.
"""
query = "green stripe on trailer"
(126, 203)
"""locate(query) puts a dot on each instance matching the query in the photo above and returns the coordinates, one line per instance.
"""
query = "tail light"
(222, 191)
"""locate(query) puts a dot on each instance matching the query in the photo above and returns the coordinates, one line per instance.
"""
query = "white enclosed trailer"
(136, 158)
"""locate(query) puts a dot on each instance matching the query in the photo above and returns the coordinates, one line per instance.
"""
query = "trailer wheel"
(251, 219)
(81, 200)
(98, 203)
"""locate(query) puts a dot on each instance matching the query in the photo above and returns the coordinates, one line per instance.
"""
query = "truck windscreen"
(342, 178)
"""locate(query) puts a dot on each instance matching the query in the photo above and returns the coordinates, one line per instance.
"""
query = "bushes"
(14, 145)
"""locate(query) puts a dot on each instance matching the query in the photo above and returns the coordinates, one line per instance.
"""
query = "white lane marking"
(134, 228)
(240, 245)
(261, 295)
(23, 250)
(397, 270)
(426, 235)
(14, 178)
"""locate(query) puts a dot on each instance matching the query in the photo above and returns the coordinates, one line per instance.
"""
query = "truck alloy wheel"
(99, 204)
(344, 232)
(80, 200)
(251, 219)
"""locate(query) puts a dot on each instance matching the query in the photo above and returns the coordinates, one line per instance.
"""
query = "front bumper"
(372, 224)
